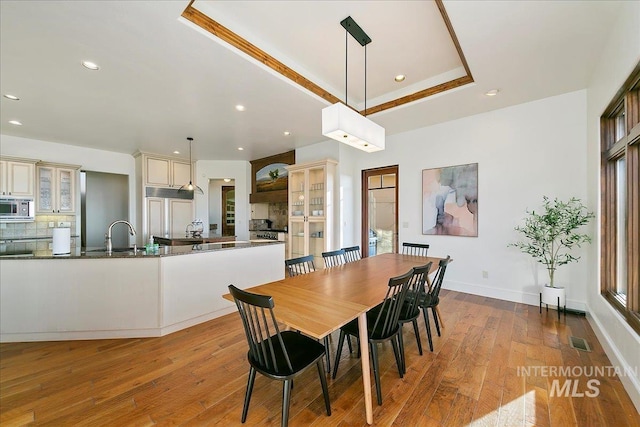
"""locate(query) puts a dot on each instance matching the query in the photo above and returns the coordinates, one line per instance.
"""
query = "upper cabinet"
(56, 188)
(164, 171)
(17, 177)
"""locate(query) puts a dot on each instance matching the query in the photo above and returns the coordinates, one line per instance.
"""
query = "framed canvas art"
(450, 200)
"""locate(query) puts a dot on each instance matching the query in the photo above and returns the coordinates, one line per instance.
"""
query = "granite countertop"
(96, 253)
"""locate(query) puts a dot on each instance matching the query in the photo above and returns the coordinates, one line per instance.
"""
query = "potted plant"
(549, 237)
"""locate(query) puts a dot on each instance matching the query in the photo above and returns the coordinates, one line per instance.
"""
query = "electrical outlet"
(52, 224)
(50, 245)
(485, 274)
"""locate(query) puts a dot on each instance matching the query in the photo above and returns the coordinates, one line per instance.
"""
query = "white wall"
(238, 170)
(215, 203)
(620, 56)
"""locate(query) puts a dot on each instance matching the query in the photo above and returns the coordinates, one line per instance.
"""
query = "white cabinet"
(165, 172)
(17, 178)
(56, 188)
(311, 209)
(167, 216)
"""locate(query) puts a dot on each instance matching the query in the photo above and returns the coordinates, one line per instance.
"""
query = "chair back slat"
(301, 265)
(386, 322)
(439, 277)
(418, 249)
(261, 328)
(417, 289)
(352, 253)
(333, 258)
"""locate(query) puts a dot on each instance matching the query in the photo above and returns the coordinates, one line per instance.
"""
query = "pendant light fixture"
(190, 188)
(342, 123)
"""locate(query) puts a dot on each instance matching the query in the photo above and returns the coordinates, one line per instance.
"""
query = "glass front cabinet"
(311, 209)
(56, 188)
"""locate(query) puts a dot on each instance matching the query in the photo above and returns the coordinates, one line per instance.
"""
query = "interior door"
(228, 210)
(379, 211)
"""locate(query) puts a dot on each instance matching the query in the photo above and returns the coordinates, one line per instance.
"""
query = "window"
(620, 192)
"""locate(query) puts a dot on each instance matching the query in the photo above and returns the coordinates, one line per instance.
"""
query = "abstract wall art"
(450, 200)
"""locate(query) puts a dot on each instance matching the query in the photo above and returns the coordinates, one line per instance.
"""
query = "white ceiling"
(163, 79)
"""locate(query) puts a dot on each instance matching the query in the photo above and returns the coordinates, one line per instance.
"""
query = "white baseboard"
(505, 294)
(631, 383)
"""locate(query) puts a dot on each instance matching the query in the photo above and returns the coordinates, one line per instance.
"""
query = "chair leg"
(376, 371)
(417, 332)
(425, 313)
(349, 344)
(325, 389)
(398, 353)
(399, 360)
(435, 319)
(336, 362)
(286, 399)
(326, 351)
(247, 395)
(442, 321)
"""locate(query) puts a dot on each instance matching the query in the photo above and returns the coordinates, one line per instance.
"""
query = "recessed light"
(90, 65)
(492, 92)
(400, 78)
(240, 107)
(11, 97)
(227, 180)
(287, 133)
(176, 152)
(15, 122)
(240, 148)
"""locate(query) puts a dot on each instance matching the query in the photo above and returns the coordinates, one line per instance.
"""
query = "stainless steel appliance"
(264, 235)
(17, 209)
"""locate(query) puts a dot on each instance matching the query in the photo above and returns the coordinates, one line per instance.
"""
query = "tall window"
(620, 172)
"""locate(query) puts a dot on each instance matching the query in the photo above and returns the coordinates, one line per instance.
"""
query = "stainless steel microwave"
(16, 209)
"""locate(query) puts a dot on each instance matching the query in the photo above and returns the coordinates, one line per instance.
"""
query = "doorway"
(379, 211)
(228, 210)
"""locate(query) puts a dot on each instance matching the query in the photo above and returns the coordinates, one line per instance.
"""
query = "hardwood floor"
(198, 376)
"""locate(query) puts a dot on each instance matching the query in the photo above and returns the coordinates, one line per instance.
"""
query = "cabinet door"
(20, 179)
(65, 183)
(180, 215)
(297, 239)
(155, 217)
(316, 241)
(158, 172)
(46, 189)
(297, 194)
(3, 177)
(181, 174)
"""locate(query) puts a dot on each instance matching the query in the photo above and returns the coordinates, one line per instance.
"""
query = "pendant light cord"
(365, 81)
(346, 66)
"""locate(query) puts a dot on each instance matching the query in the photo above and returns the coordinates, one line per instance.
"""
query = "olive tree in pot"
(549, 237)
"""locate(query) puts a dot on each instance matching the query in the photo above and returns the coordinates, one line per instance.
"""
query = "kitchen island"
(186, 240)
(90, 294)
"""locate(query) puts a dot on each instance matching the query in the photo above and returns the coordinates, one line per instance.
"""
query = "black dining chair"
(411, 307)
(333, 258)
(352, 253)
(418, 249)
(382, 325)
(277, 355)
(304, 265)
(300, 265)
(431, 299)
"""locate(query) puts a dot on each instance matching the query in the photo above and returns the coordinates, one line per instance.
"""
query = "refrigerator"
(104, 198)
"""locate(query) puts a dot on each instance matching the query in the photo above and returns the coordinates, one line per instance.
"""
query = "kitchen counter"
(182, 239)
(91, 295)
(163, 251)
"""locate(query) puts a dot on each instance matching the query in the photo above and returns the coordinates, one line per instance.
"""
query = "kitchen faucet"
(107, 237)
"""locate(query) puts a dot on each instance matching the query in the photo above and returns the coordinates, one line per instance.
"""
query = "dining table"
(320, 302)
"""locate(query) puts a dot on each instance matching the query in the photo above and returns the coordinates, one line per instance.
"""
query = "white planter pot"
(550, 296)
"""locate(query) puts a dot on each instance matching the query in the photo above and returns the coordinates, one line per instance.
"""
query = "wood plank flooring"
(197, 376)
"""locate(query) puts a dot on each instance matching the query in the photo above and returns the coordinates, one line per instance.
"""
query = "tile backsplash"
(38, 229)
(278, 213)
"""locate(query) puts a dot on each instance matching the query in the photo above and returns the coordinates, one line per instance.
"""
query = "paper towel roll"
(61, 241)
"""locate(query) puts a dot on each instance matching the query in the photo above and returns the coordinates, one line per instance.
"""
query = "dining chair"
(411, 307)
(334, 258)
(304, 265)
(382, 325)
(418, 249)
(352, 253)
(277, 355)
(431, 299)
(300, 265)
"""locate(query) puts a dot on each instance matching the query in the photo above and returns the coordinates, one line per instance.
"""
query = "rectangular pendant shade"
(343, 124)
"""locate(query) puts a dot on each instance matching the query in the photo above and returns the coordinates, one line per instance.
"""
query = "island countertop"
(163, 251)
(183, 239)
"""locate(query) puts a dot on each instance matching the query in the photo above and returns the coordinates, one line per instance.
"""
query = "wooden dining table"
(320, 302)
